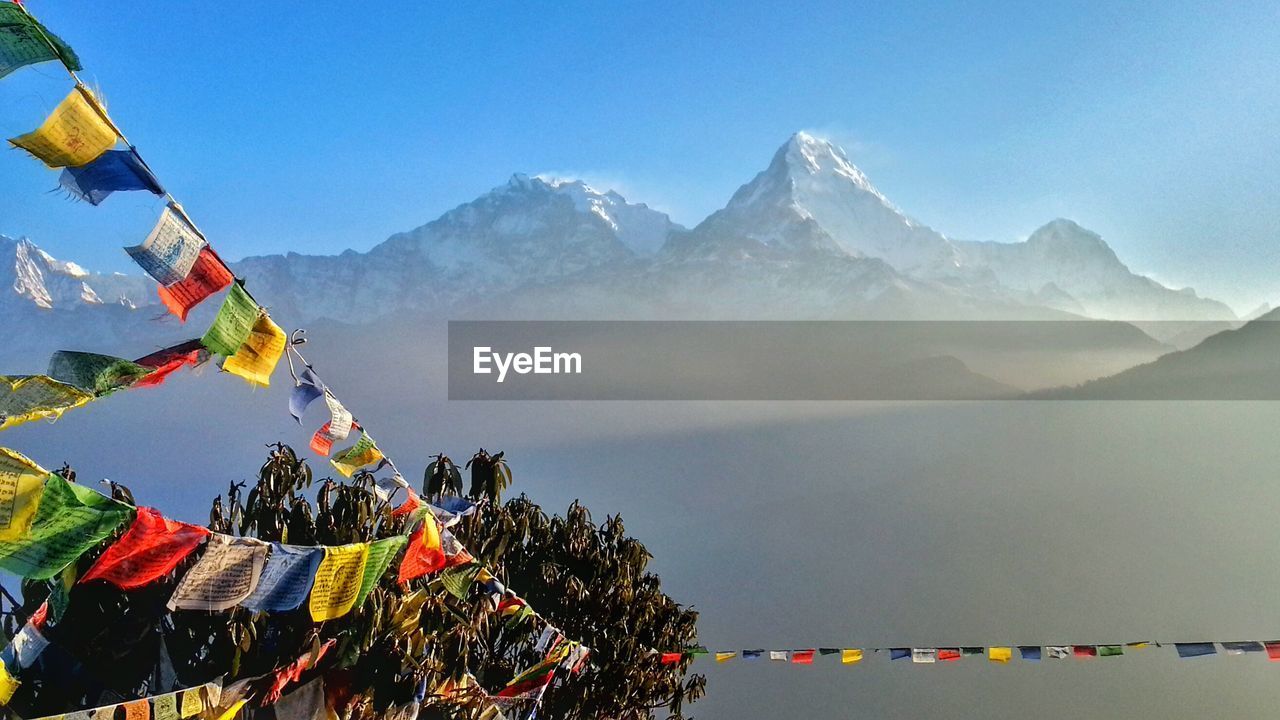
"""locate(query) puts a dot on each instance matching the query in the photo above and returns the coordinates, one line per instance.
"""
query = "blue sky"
(322, 126)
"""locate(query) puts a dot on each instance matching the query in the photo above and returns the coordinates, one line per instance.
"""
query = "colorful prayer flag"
(1240, 648)
(305, 391)
(899, 653)
(948, 654)
(751, 654)
(338, 428)
(1000, 654)
(21, 485)
(24, 41)
(163, 363)
(192, 703)
(170, 250)
(1058, 652)
(286, 578)
(8, 685)
(70, 519)
(75, 134)
(116, 170)
(1273, 650)
(725, 656)
(364, 453)
(233, 324)
(671, 658)
(850, 656)
(151, 548)
(94, 373)
(166, 707)
(208, 275)
(973, 650)
(223, 577)
(924, 656)
(381, 553)
(24, 398)
(1200, 649)
(425, 552)
(802, 657)
(338, 581)
(257, 357)
(1110, 650)
(778, 655)
(1029, 652)
(136, 710)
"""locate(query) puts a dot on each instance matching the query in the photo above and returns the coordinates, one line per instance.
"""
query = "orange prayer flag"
(208, 275)
(150, 548)
(424, 554)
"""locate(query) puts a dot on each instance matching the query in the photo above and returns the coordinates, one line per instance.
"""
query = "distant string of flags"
(80, 138)
(999, 654)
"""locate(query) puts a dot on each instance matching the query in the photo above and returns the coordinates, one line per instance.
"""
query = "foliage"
(588, 580)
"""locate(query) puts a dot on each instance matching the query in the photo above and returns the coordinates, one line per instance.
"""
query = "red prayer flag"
(150, 548)
(208, 275)
(322, 442)
(948, 654)
(1084, 651)
(165, 362)
(671, 658)
(802, 657)
(413, 502)
(1273, 650)
(424, 553)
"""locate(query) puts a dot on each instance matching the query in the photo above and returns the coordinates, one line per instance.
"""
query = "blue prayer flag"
(286, 578)
(113, 170)
(899, 653)
(1029, 652)
(752, 654)
(1190, 650)
(305, 392)
(1240, 648)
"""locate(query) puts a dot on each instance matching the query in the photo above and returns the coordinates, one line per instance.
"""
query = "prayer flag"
(364, 453)
(338, 581)
(948, 654)
(170, 250)
(1110, 650)
(899, 653)
(1273, 650)
(458, 580)
(21, 485)
(751, 654)
(1137, 645)
(671, 658)
(286, 578)
(233, 324)
(24, 398)
(778, 655)
(1058, 652)
(136, 710)
(305, 391)
(151, 547)
(257, 357)
(8, 685)
(381, 553)
(116, 170)
(208, 275)
(192, 703)
(75, 134)
(924, 656)
(305, 703)
(166, 707)
(802, 657)
(24, 41)
(338, 428)
(1240, 648)
(163, 363)
(424, 553)
(25, 647)
(223, 577)
(725, 656)
(1084, 651)
(94, 373)
(973, 650)
(1029, 652)
(1000, 654)
(828, 651)
(70, 519)
(850, 656)
(1190, 650)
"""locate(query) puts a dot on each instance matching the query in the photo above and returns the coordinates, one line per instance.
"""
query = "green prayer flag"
(70, 520)
(1108, 650)
(381, 553)
(98, 374)
(60, 592)
(457, 580)
(234, 322)
(23, 41)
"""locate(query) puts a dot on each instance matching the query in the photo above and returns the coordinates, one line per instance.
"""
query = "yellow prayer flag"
(232, 711)
(364, 452)
(165, 707)
(999, 654)
(725, 656)
(21, 485)
(338, 580)
(257, 357)
(192, 703)
(849, 656)
(75, 134)
(8, 685)
(36, 397)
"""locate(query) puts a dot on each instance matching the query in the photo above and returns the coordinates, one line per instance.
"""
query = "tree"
(590, 581)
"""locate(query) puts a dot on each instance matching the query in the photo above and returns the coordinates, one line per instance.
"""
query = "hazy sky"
(321, 126)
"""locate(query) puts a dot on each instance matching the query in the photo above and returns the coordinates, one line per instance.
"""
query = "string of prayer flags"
(151, 548)
(305, 391)
(69, 520)
(76, 133)
(233, 323)
(170, 250)
(1197, 649)
(223, 577)
(114, 171)
(24, 41)
(21, 484)
(338, 581)
(363, 453)
(1000, 654)
(286, 580)
(165, 362)
(25, 398)
(94, 373)
(257, 357)
(381, 553)
(208, 275)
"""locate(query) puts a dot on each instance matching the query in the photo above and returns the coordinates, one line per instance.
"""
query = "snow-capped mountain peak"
(642, 229)
(37, 278)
